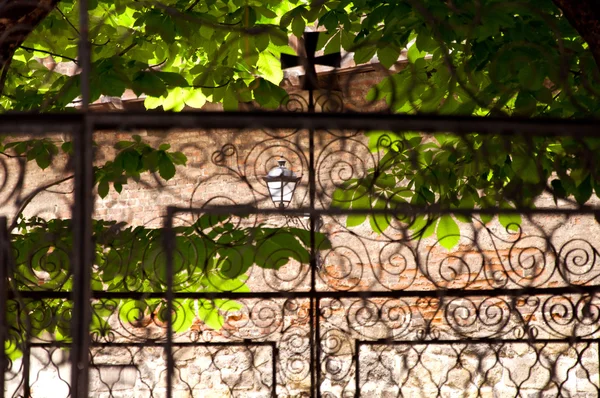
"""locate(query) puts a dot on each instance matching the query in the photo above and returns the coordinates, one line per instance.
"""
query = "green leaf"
(172, 79)
(321, 241)
(584, 191)
(130, 161)
(148, 83)
(298, 26)
(210, 315)
(132, 311)
(414, 54)
(448, 233)
(269, 67)
(524, 166)
(388, 55)
(184, 316)
(67, 147)
(510, 221)
(430, 227)
(230, 101)
(43, 159)
(262, 42)
(354, 220)
(379, 222)
(19, 147)
(525, 104)
(195, 98)
(150, 160)
(153, 103)
(486, 218)
(123, 144)
(166, 168)
(175, 100)
(277, 247)
(364, 54)
(103, 188)
(206, 31)
(178, 158)
(544, 95)
(227, 305)
(268, 95)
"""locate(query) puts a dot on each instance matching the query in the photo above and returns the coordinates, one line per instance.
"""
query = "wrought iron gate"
(507, 312)
(344, 293)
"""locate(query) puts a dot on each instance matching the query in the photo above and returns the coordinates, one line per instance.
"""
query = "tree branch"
(11, 156)
(5, 67)
(49, 53)
(67, 19)
(191, 7)
(19, 18)
(584, 16)
(32, 195)
(129, 47)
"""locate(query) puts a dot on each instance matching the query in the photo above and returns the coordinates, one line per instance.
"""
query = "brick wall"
(360, 260)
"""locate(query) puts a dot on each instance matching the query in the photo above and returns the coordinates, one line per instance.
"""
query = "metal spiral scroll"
(390, 294)
(384, 286)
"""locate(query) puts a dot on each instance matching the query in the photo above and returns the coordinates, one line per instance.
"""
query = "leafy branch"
(133, 159)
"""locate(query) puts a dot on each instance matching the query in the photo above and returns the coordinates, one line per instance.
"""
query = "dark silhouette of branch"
(32, 195)
(100, 45)
(5, 68)
(18, 20)
(49, 53)
(11, 156)
(126, 49)
(157, 65)
(190, 8)
(584, 16)
(67, 19)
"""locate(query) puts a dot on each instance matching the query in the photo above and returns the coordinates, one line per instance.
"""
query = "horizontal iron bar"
(23, 122)
(441, 293)
(251, 343)
(404, 210)
(483, 340)
(160, 343)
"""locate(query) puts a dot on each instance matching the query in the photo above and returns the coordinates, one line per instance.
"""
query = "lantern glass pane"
(281, 191)
(288, 191)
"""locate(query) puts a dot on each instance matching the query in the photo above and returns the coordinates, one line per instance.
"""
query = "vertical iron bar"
(357, 368)
(82, 261)
(27, 365)
(82, 258)
(318, 344)
(314, 338)
(84, 55)
(4, 247)
(169, 242)
(274, 356)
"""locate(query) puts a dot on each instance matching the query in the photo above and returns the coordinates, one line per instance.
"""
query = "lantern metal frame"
(284, 181)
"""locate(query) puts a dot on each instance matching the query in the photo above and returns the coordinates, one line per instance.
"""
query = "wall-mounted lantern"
(281, 182)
